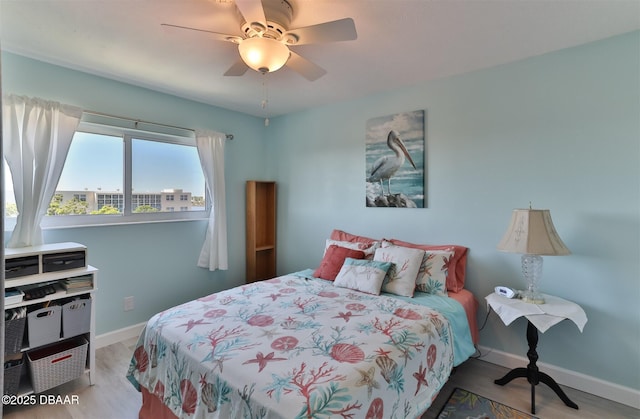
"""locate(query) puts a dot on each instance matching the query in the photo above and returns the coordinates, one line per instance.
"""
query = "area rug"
(463, 404)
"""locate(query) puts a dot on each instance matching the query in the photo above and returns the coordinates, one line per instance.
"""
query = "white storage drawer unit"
(58, 342)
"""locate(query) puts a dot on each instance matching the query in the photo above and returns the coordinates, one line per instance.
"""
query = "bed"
(303, 346)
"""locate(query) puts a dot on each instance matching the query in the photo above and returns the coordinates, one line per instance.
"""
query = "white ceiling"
(400, 42)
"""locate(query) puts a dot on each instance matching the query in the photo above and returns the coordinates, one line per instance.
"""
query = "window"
(116, 174)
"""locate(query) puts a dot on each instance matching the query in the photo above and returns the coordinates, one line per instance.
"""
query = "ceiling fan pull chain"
(265, 98)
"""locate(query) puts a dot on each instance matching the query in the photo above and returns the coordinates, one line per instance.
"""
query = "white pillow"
(368, 250)
(362, 275)
(401, 277)
(432, 277)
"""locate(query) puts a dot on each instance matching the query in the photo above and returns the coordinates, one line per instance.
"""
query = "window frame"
(186, 138)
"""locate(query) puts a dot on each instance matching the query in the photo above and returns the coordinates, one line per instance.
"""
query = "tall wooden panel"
(261, 230)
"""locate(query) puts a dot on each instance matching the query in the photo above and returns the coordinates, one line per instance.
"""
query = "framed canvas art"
(395, 160)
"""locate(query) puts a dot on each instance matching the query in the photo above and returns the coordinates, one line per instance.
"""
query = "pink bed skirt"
(153, 408)
(470, 305)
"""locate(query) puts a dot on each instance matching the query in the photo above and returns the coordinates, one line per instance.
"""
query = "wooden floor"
(113, 396)
(477, 376)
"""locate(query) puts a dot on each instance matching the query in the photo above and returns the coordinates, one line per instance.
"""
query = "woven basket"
(12, 378)
(56, 364)
(13, 335)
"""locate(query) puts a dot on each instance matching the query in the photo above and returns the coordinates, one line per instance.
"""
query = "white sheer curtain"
(211, 151)
(36, 137)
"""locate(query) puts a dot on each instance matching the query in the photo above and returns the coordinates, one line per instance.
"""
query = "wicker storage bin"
(76, 317)
(13, 335)
(58, 363)
(43, 326)
(12, 372)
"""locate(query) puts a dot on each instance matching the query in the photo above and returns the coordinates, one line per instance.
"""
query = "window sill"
(105, 221)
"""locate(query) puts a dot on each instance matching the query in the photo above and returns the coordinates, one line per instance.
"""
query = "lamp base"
(532, 271)
(532, 297)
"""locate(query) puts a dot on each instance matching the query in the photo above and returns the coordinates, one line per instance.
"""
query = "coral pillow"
(457, 265)
(334, 259)
(348, 237)
(368, 249)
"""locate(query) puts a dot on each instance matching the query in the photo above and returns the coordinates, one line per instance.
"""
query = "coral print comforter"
(291, 347)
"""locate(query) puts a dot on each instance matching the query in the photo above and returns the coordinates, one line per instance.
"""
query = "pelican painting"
(395, 160)
(386, 166)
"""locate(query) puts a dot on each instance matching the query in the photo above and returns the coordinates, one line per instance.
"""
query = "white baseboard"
(119, 335)
(579, 381)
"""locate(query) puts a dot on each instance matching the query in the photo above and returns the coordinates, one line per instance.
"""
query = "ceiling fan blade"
(334, 31)
(237, 69)
(252, 11)
(304, 67)
(212, 35)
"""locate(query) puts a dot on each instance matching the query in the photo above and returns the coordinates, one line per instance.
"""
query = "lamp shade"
(531, 232)
(263, 54)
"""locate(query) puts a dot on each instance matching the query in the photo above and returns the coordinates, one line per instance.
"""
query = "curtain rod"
(228, 136)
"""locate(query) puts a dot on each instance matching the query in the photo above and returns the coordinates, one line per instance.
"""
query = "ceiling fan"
(266, 38)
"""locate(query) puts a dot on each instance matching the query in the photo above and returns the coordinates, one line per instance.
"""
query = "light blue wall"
(155, 263)
(560, 130)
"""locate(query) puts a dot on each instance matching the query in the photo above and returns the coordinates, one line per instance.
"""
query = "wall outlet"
(128, 303)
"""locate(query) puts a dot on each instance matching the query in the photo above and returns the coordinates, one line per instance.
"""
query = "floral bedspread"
(294, 348)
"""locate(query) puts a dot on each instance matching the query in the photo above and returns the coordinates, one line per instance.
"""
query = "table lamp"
(531, 233)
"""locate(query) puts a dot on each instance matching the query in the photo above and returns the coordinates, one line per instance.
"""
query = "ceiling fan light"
(263, 54)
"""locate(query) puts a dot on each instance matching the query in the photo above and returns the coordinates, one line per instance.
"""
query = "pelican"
(386, 166)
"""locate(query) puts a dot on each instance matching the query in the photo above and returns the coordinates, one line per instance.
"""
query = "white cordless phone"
(506, 292)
